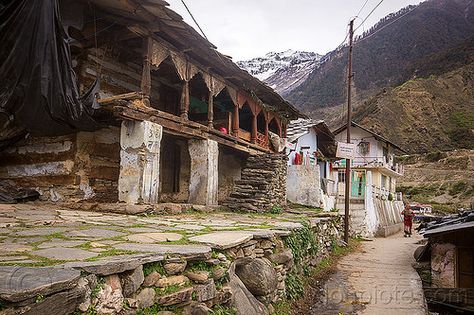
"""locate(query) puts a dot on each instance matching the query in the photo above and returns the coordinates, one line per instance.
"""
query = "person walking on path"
(407, 219)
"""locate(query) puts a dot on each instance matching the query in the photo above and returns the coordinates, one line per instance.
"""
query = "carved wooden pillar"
(253, 138)
(266, 129)
(235, 121)
(185, 101)
(210, 111)
(145, 85)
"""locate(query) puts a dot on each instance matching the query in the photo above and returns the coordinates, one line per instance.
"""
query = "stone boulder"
(242, 298)
(132, 280)
(257, 274)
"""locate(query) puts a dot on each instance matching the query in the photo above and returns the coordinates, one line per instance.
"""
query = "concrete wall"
(303, 185)
(82, 166)
(443, 264)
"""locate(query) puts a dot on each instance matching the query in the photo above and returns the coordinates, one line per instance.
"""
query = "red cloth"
(297, 160)
(407, 218)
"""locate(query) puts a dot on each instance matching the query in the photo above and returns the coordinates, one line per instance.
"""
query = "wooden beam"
(119, 97)
(253, 138)
(235, 121)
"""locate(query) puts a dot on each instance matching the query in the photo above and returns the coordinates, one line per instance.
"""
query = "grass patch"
(223, 310)
(458, 188)
(112, 252)
(294, 286)
(282, 308)
(156, 308)
(151, 267)
(302, 243)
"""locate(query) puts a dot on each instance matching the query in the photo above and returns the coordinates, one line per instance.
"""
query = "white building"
(375, 205)
(310, 146)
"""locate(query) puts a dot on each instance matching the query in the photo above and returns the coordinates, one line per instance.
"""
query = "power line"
(365, 19)
(400, 17)
(195, 22)
(365, 3)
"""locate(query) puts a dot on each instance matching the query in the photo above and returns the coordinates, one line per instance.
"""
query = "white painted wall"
(308, 140)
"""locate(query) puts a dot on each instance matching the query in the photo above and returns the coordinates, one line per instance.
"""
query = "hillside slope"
(388, 53)
(425, 114)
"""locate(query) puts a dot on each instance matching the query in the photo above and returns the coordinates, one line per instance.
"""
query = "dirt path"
(379, 279)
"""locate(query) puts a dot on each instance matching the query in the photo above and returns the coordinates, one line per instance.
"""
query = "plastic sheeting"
(38, 88)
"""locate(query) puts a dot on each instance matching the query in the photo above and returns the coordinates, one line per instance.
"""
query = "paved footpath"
(377, 280)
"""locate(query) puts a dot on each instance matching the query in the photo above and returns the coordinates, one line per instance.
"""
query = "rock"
(115, 264)
(62, 303)
(266, 244)
(257, 274)
(249, 250)
(199, 309)
(93, 233)
(21, 283)
(187, 251)
(205, 292)
(85, 304)
(271, 309)
(213, 261)
(145, 298)
(182, 296)
(243, 300)
(165, 313)
(151, 279)
(175, 267)
(173, 280)
(223, 240)
(218, 272)
(282, 257)
(132, 280)
(109, 299)
(221, 257)
(198, 276)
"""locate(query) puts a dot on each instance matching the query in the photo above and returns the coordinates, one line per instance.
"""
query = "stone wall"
(262, 184)
(230, 167)
(82, 166)
(241, 271)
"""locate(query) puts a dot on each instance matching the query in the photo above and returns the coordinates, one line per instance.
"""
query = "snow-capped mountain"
(283, 71)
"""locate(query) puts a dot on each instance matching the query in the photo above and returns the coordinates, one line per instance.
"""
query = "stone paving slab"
(154, 237)
(21, 283)
(37, 233)
(223, 240)
(64, 253)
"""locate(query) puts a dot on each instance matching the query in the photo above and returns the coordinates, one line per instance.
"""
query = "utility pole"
(349, 123)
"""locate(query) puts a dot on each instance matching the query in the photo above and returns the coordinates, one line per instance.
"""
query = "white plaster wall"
(308, 140)
(372, 220)
(358, 135)
(303, 185)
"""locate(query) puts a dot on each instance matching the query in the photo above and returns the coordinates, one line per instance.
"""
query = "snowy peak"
(284, 70)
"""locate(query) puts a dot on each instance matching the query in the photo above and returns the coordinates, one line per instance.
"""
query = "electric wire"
(365, 19)
(192, 16)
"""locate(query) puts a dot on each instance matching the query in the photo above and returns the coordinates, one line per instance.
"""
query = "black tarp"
(38, 87)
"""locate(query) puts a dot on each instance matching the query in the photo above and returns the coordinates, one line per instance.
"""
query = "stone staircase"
(262, 184)
(357, 215)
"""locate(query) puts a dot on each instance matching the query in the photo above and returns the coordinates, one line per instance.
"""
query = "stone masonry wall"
(262, 184)
(246, 275)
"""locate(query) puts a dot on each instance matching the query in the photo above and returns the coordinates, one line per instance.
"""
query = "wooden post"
(145, 85)
(185, 101)
(266, 129)
(253, 138)
(349, 123)
(210, 111)
(235, 121)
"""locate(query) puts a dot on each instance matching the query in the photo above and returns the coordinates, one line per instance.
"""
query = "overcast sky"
(245, 29)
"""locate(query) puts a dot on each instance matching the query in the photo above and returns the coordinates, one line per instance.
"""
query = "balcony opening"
(223, 107)
(166, 88)
(198, 99)
(245, 122)
(274, 127)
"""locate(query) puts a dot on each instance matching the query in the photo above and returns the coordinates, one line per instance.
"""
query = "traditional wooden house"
(169, 118)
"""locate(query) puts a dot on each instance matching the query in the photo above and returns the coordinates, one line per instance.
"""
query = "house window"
(341, 176)
(364, 148)
(384, 181)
